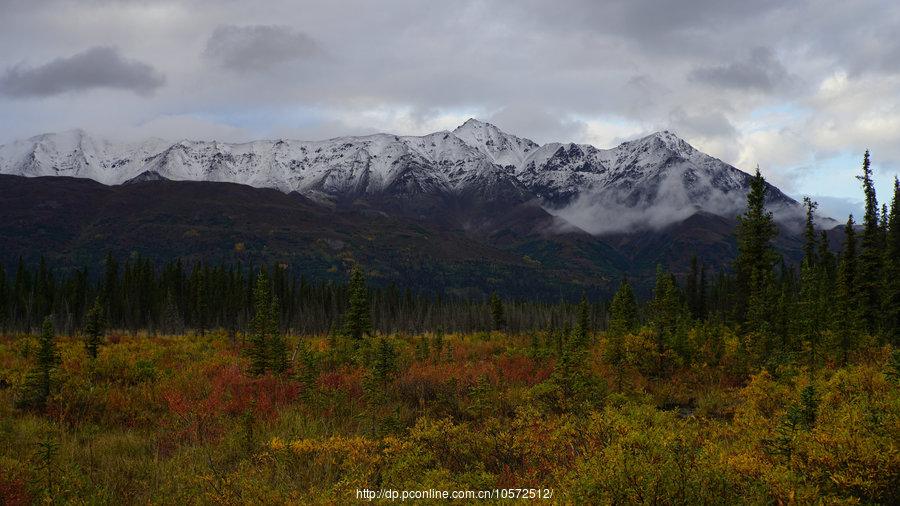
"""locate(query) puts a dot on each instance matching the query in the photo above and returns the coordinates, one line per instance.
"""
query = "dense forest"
(765, 383)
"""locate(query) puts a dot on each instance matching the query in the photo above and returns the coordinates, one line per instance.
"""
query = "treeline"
(829, 306)
(136, 294)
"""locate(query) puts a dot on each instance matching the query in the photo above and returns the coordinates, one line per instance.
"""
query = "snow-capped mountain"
(647, 181)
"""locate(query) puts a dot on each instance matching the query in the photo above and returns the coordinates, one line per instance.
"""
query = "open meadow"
(176, 419)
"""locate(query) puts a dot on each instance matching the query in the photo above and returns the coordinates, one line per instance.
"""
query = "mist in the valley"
(677, 196)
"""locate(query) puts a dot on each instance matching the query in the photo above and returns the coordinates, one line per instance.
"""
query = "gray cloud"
(98, 67)
(572, 70)
(761, 71)
(542, 124)
(704, 124)
(258, 47)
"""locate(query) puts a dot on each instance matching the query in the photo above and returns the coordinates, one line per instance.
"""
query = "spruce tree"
(668, 317)
(807, 318)
(623, 319)
(755, 259)
(384, 363)
(691, 289)
(39, 382)
(581, 335)
(94, 326)
(261, 325)
(498, 316)
(870, 254)
(358, 320)
(809, 232)
(623, 311)
(890, 291)
(309, 367)
(278, 349)
(847, 311)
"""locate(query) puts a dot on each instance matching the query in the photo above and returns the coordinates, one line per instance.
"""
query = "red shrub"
(520, 369)
(344, 379)
(13, 490)
(198, 408)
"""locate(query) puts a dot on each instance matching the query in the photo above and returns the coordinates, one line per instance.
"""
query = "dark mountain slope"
(74, 222)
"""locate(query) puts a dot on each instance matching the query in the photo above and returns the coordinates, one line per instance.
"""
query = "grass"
(176, 420)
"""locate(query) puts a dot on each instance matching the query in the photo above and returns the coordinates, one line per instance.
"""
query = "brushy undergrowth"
(177, 419)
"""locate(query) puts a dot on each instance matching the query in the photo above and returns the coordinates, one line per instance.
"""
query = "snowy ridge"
(657, 175)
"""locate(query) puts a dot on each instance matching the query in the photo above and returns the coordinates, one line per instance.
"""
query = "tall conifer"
(870, 254)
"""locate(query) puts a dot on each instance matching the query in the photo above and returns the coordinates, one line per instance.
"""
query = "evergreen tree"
(384, 363)
(309, 367)
(890, 291)
(623, 311)
(702, 306)
(668, 317)
(623, 319)
(827, 262)
(278, 349)
(870, 255)
(848, 298)
(755, 259)
(39, 382)
(809, 310)
(809, 232)
(262, 325)
(358, 320)
(498, 317)
(581, 335)
(94, 326)
(691, 289)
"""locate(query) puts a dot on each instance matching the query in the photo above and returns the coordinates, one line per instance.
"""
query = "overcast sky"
(801, 88)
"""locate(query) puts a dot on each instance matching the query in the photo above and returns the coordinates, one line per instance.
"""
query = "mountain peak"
(502, 148)
(664, 139)
(474, 123)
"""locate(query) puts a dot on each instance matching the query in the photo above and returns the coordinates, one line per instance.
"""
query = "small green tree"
(309, 367)
(384, 363)
(39, 382)
(358, 319)
(498, 316)
(278, 348)
(623, 311)
(623, 319)
(262, 325)
(581, 335)
(94, 327)
(668, 318)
